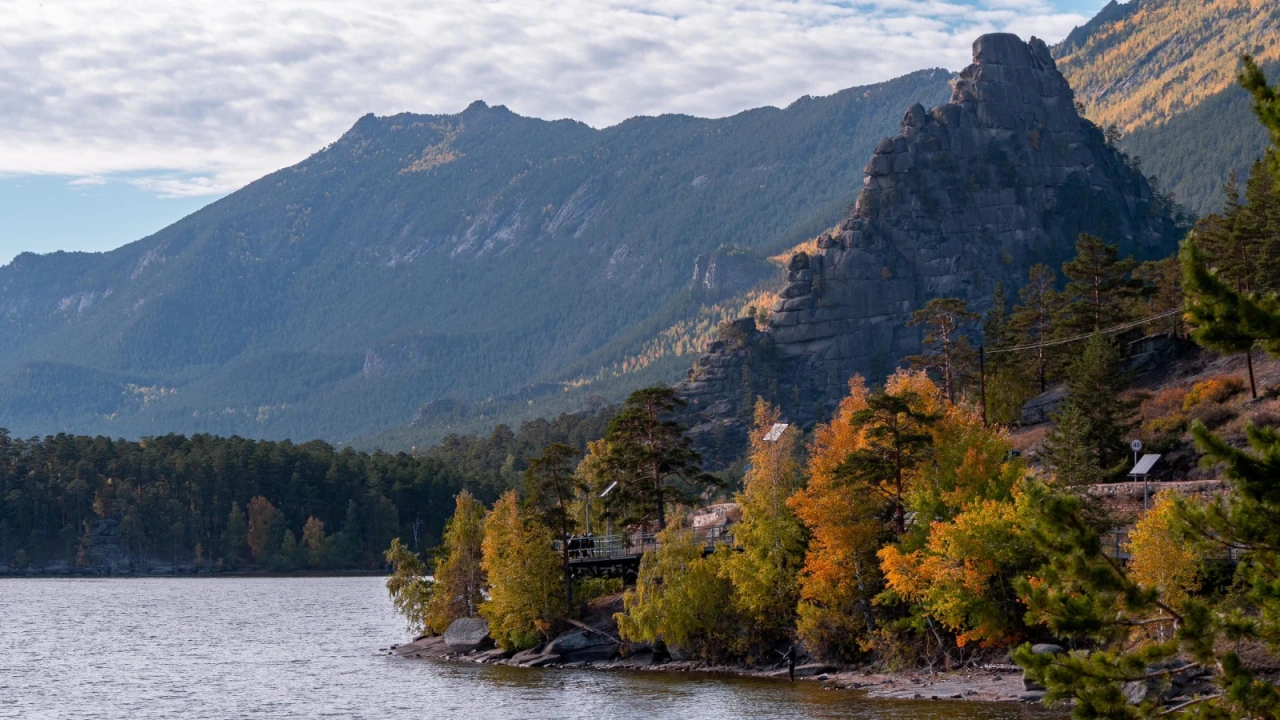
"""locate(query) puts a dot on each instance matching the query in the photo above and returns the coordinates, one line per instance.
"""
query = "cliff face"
(970, 193)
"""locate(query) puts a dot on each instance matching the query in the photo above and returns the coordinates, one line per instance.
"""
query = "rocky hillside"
(1161, 71)
(425, 263)
(968, 194)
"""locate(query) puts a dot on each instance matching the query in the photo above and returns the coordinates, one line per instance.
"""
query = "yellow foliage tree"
(459, 577)
(770, 539)
(526, 601)
(840, 574)
(1159, 558)
(681, 597)
(963, 576)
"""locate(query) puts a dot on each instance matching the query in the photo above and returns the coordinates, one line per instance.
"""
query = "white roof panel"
(1144, 465)
(776, 431)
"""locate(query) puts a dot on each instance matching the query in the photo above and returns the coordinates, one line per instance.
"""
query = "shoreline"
(988, 683)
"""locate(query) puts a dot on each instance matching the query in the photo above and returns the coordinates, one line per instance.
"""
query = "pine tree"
(1036, 320)
(1099, 287)
(1007, 384)
(946, 350)
(655, 459)
(1231, 244)
(1098, 415)
(236, 535)
(895, 429)
(1067, 451)
(552, 487)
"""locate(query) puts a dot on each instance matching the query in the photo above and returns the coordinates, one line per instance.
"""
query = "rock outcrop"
(466, 635)
(970, 193)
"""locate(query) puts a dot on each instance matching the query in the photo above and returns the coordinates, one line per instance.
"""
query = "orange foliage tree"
(840, 575)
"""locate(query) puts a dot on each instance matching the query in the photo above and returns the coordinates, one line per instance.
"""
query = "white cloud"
(200, 97)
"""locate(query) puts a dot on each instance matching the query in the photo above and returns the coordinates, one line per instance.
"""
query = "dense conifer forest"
(231, 503)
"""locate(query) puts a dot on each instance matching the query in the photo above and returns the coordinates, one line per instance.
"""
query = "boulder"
(1038, 409)
(468, 635)
(1040, 649)
(576, 640)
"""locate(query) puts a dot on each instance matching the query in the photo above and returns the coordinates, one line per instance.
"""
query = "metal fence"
(605, 547)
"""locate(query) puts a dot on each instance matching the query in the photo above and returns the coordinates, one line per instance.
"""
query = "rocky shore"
(576, 649)
(594, 644)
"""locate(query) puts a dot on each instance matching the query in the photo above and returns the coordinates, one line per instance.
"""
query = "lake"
(272, 647)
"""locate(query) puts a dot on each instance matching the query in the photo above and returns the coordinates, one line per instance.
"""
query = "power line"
(1086, 336)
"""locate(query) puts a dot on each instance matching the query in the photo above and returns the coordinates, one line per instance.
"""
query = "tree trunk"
(1253, 384)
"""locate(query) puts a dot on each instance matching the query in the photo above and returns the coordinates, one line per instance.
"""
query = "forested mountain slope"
(1163, 72)
(421, 259)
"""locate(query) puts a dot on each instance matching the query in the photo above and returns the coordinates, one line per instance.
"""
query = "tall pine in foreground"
(1123, 670)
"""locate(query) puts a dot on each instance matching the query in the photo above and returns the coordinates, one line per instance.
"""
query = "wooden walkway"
(619, 555)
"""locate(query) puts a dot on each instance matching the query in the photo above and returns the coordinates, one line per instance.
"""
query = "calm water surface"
(308, 648)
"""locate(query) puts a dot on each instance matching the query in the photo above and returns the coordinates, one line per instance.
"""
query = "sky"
(118, 118)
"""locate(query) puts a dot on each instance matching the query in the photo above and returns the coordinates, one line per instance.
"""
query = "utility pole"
(982, 380)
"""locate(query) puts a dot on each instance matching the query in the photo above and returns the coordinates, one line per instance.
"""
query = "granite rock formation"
(970, 193)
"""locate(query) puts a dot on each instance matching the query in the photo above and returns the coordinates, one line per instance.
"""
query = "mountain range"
(427, 274)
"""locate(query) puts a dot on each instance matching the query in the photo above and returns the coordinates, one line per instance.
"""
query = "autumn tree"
(957, 562)
(770, 539)
(1034, 319)
(263, 520)
(654, 458)
(1099, 289)
(682, 597)
(408, 585)
(316, 543)
(459, 576)
(1159, 556)
(946, 350)
(552, 487)
(524, 602)
(840, 574)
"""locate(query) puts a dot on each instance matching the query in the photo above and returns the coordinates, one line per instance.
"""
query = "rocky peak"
(973, 192)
